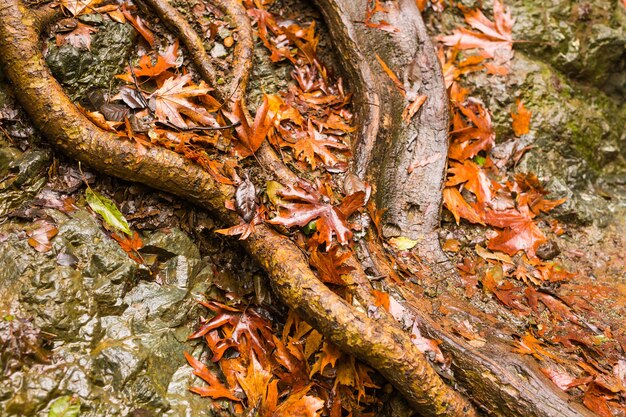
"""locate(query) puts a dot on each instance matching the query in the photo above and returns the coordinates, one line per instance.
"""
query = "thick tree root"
(405, 160)
(383, 347)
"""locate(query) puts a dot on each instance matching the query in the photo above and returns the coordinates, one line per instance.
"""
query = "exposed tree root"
(405, 160)
(384, 347)
(503, 383)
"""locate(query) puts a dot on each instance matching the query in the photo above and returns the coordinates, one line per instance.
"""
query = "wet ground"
(83, 319)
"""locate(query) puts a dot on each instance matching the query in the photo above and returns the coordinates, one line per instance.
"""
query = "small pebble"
(548, 250)
(218, 51)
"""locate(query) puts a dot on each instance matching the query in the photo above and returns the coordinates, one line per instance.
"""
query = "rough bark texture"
(383, 347)
(242, 65)
(387, 145)
(502, 382)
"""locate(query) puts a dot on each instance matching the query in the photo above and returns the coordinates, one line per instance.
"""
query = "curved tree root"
(235, 90)
(383, 347)
(499, 380)
(405, 160)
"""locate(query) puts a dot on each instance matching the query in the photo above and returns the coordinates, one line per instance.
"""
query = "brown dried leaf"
(521, 119)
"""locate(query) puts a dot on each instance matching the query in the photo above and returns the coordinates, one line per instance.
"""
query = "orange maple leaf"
(164, 61)
(215, 389)
(460, 208)
(473, 177)
(468, 140)
(490, 37)
(315, 143)
(173, 100)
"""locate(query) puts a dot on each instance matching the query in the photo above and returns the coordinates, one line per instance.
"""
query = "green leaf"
(65, 406)
(480, 160)
(310, 228)
(107, 209)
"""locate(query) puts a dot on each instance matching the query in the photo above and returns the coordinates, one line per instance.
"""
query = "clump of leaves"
(303, 203)
(488, 36)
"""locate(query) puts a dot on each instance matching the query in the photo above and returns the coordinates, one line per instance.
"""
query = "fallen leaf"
(381, 299)
(315, 143)
(172, 101)
(521, 119)
(76, 7)
(301, 405)
(460, 208)
(370, 13)
(412, 108)
(165, 61)
(215, 389)
(245, 200)
(79, 38)
(403, 243)
(66, 406)
(255, 382)
(108, 210)
(491, 36)
(563, 380)
(521, 232)
(331, 267)
(428, 347)
(139, 25)
(473, 179)
(468, 140)
(130, 245)
(253, 136)
(529, 345)
(494, 69)
(303, 203)
(392, 75)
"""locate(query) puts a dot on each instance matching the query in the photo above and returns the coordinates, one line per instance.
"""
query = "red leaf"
(130, 245)
(473, 177)
(459, 208)
(253, 136)
(139, 25)
(39, 237)
(146, 69)
(215, 389)
(79, 38)
(491, 36)
(467, 141)
(523, 236)
(330, 266)
(311, 205)
(370, 12)
(315, 143)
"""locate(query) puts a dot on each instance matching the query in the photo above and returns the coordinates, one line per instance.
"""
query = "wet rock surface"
(568, 70)
(81, 70)
(117, 333)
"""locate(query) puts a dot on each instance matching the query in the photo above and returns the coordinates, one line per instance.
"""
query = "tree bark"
(406, 161)
(501, 382)
(382, 346)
